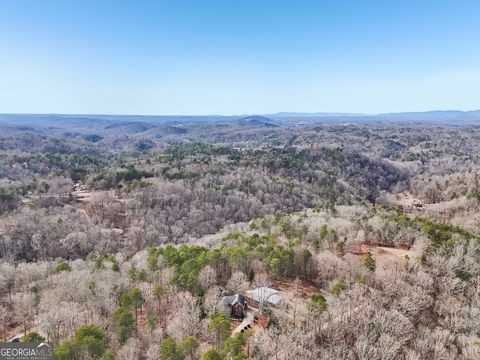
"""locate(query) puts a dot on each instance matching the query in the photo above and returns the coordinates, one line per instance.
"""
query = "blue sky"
(237, 57)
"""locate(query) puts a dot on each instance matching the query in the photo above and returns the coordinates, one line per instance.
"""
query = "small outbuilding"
(237, 305)
(264, 295)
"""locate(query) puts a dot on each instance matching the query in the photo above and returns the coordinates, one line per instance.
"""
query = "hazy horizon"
(318, 113)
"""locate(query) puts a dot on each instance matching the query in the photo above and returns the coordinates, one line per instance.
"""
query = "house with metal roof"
(237, 305)
(264, 295)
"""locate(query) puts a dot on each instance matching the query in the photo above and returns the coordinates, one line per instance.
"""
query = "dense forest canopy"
(119, 236)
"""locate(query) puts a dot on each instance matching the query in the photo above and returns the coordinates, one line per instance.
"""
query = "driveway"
(248, 319)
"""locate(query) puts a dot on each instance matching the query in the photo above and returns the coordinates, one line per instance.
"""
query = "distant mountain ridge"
(256, 120)
(143, 123)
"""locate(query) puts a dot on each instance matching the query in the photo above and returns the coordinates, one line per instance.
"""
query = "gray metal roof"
(264, 294)
(232, 299)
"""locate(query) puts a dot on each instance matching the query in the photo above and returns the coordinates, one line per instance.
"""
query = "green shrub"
(62, 266)
(369, 262)
(33, 337)
(337, 288)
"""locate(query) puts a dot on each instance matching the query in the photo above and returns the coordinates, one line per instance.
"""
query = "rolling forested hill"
(119, 235)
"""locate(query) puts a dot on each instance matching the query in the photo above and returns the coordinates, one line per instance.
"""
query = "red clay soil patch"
(305, 289)
(357, 249)
(386, 257)
(261, 323)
